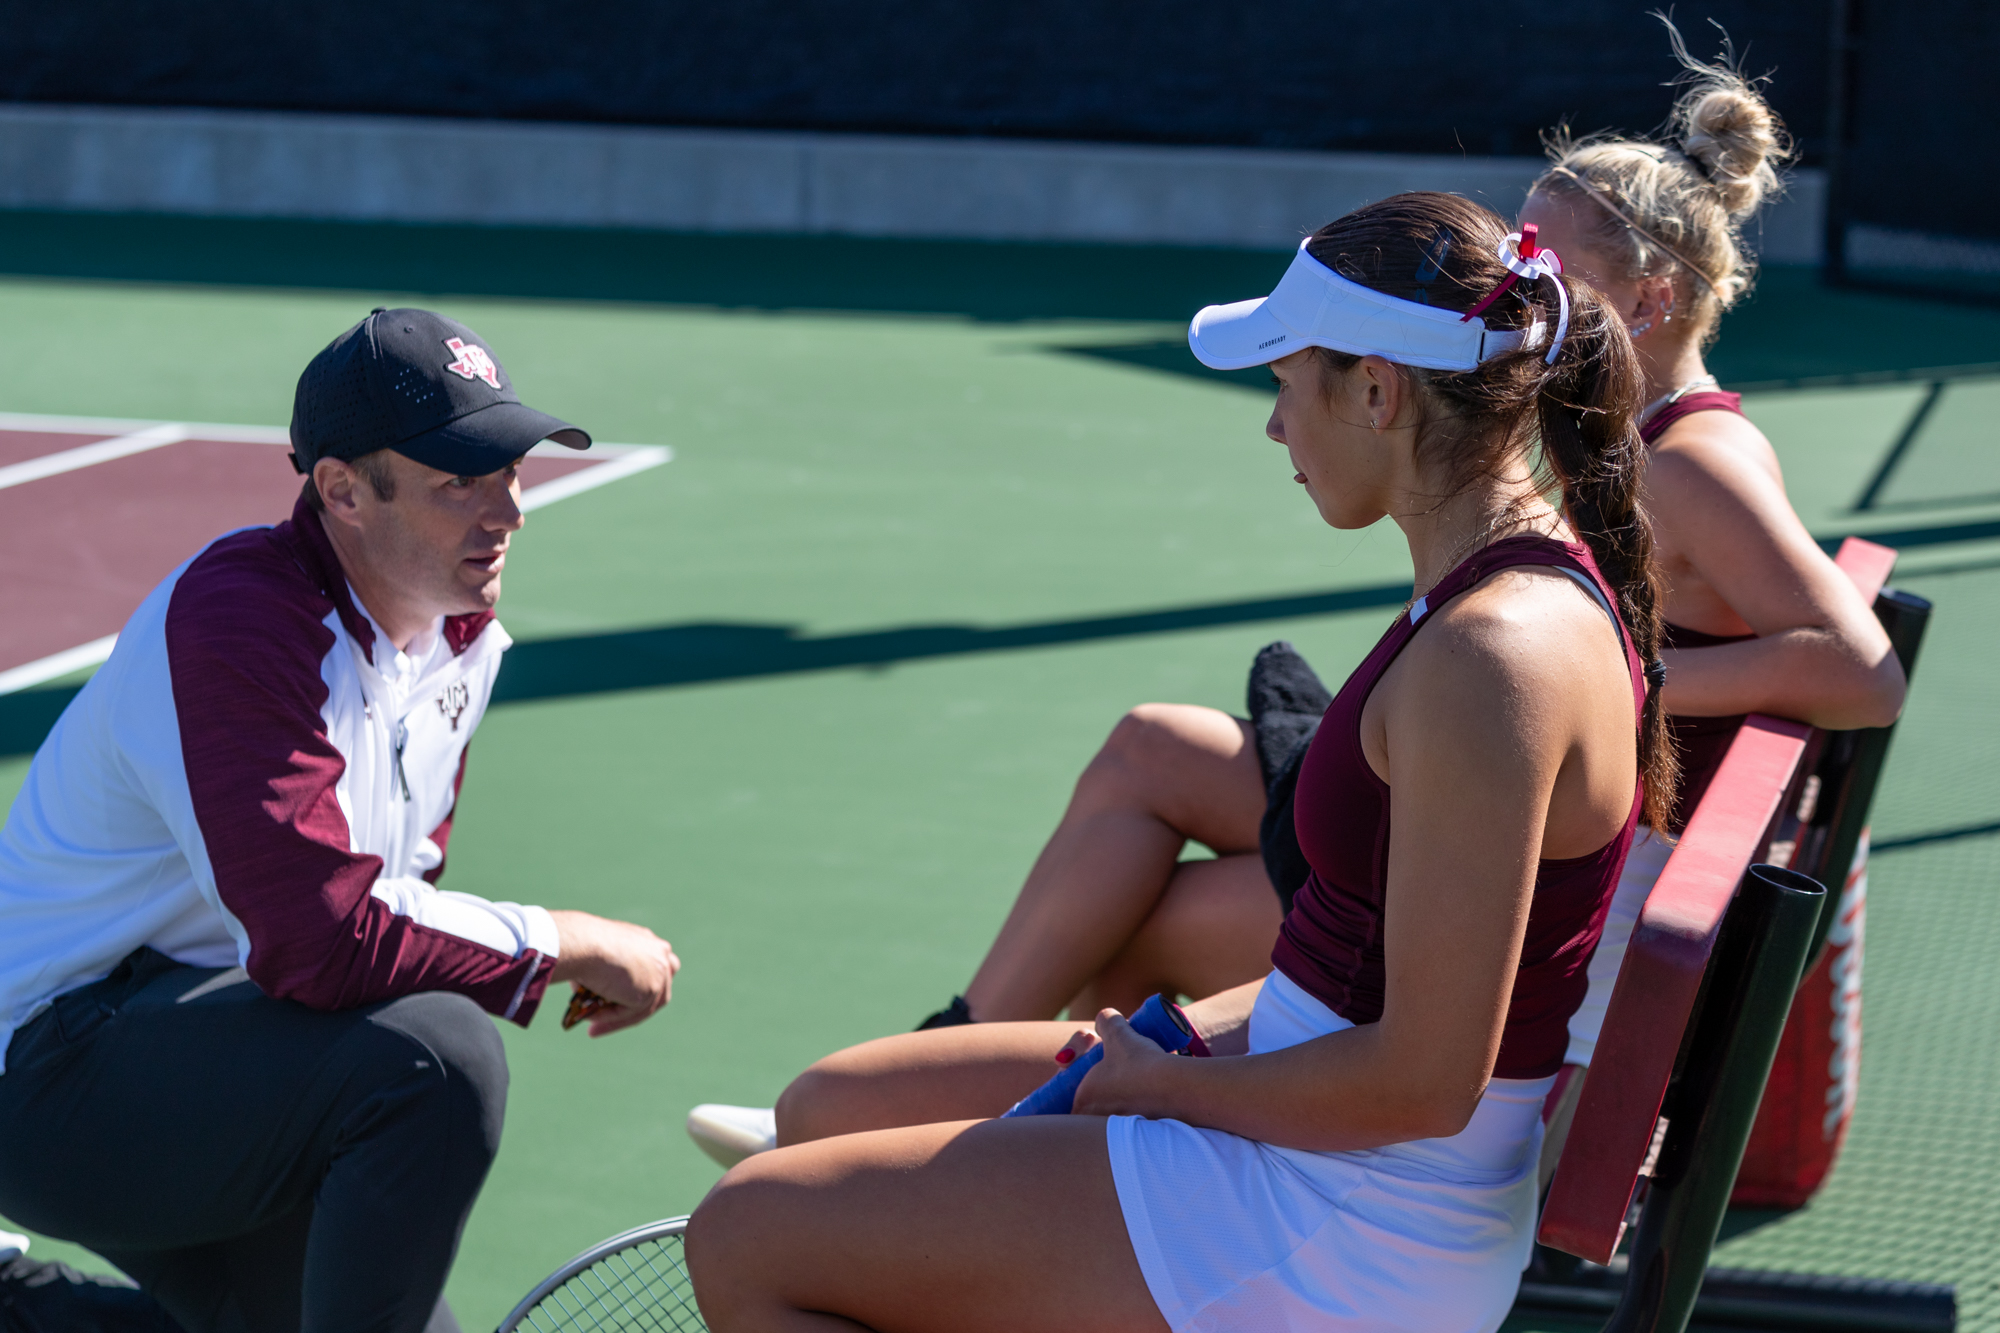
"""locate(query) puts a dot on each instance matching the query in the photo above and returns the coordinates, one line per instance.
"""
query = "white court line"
(86, 455)
(196, 430)
(31, 674)
(620, 461)
(41, 423)
(629, 459)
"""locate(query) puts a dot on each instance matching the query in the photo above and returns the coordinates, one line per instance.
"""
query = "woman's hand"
(1128, 1080)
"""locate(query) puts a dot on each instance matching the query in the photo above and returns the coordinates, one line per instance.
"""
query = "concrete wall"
(368, 168)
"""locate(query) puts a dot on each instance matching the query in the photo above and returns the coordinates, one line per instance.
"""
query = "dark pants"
(258, 1166)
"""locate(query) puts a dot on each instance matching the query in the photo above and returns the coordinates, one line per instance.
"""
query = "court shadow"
(1937, 534)
(693, 654)
(666, 656)
(1171, 356)
(26, 717)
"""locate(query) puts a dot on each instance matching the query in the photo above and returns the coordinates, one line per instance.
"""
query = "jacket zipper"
(402, 741)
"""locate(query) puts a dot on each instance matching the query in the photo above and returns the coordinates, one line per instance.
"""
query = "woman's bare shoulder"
(1709, 452)
(1528, 626)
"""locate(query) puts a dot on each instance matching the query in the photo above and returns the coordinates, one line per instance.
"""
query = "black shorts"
(1287, 701)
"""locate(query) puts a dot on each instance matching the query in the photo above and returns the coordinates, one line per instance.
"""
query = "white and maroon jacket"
(258, 778)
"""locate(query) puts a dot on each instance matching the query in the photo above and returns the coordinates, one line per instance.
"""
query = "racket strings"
(643, 1289)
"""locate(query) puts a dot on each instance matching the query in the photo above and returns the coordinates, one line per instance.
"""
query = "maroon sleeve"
(245, 644)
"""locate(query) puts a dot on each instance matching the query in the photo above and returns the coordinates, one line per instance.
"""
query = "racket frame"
(624, 1240)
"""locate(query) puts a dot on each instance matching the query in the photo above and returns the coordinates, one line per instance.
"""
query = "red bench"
(1694, 1020)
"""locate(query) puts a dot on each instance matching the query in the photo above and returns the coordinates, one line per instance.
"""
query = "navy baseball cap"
(423, 385)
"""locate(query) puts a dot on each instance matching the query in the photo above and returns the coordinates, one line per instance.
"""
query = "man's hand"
(628, 965)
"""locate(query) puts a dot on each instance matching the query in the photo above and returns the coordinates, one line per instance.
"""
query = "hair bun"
(1734, 136)
(1727, 128)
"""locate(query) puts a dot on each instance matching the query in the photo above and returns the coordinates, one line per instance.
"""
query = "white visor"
(1315, 307)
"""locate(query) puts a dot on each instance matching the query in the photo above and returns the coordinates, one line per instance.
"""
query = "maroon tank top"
(1701, 742)
(1713, 400)
(1331, 942)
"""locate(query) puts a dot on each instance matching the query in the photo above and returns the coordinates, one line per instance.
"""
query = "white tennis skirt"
(1643, 865)
(1240, 1235)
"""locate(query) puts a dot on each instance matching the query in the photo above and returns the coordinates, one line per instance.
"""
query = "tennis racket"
(635, 1282)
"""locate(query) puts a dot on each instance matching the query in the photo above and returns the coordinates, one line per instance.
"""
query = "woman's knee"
(729, 1243)
(796, 1109)
(1193, 768)
(830, 1098)
(920, 1078)
(1154, 742)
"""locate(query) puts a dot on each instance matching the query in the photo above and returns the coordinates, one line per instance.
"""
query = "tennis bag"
(1810, 1098)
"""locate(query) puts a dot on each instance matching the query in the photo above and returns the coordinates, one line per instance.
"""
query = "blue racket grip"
(1157, 1019)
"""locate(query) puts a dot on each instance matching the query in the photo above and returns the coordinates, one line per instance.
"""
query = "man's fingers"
(617, 1019)
(628, 965)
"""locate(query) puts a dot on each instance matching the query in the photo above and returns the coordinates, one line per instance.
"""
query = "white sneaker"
(731, 1133)
(11, 1245)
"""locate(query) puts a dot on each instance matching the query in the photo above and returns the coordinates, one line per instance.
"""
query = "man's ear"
(339, 488)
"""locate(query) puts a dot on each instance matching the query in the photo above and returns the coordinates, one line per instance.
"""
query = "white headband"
(1312, 306)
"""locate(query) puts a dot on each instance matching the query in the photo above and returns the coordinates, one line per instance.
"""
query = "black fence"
(1914, 203)
(1893, 99)
(1451, 76)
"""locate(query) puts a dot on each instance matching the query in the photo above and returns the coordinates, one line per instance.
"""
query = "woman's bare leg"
(1167, 774)
(960, 1073)
(1213, 929)
(921, 1078)
(958, 1228)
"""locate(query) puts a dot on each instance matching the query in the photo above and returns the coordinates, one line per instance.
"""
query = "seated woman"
(1360, 1151)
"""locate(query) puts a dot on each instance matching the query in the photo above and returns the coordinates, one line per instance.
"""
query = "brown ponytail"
(1440, 250)
(1590, 444)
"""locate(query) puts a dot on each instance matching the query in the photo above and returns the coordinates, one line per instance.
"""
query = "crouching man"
(244, 1053)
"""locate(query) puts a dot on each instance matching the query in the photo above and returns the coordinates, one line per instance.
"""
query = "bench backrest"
(1615, 1130)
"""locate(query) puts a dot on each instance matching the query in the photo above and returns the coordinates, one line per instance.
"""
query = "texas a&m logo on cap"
(473, 363)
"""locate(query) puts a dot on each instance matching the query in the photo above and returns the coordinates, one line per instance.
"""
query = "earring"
(1638, 331)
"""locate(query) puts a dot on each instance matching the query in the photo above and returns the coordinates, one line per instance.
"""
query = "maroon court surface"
(81, 548)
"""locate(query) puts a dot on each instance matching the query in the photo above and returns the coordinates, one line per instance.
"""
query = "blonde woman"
(1758, 618)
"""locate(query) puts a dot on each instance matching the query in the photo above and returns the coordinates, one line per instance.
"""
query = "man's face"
(441, 542)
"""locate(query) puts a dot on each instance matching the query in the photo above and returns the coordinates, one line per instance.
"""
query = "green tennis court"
(807, 698)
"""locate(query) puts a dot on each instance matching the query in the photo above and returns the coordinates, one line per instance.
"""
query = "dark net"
(641, 1289)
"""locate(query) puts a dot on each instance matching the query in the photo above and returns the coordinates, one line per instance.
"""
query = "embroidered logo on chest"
(473, 363)
(457, 697)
